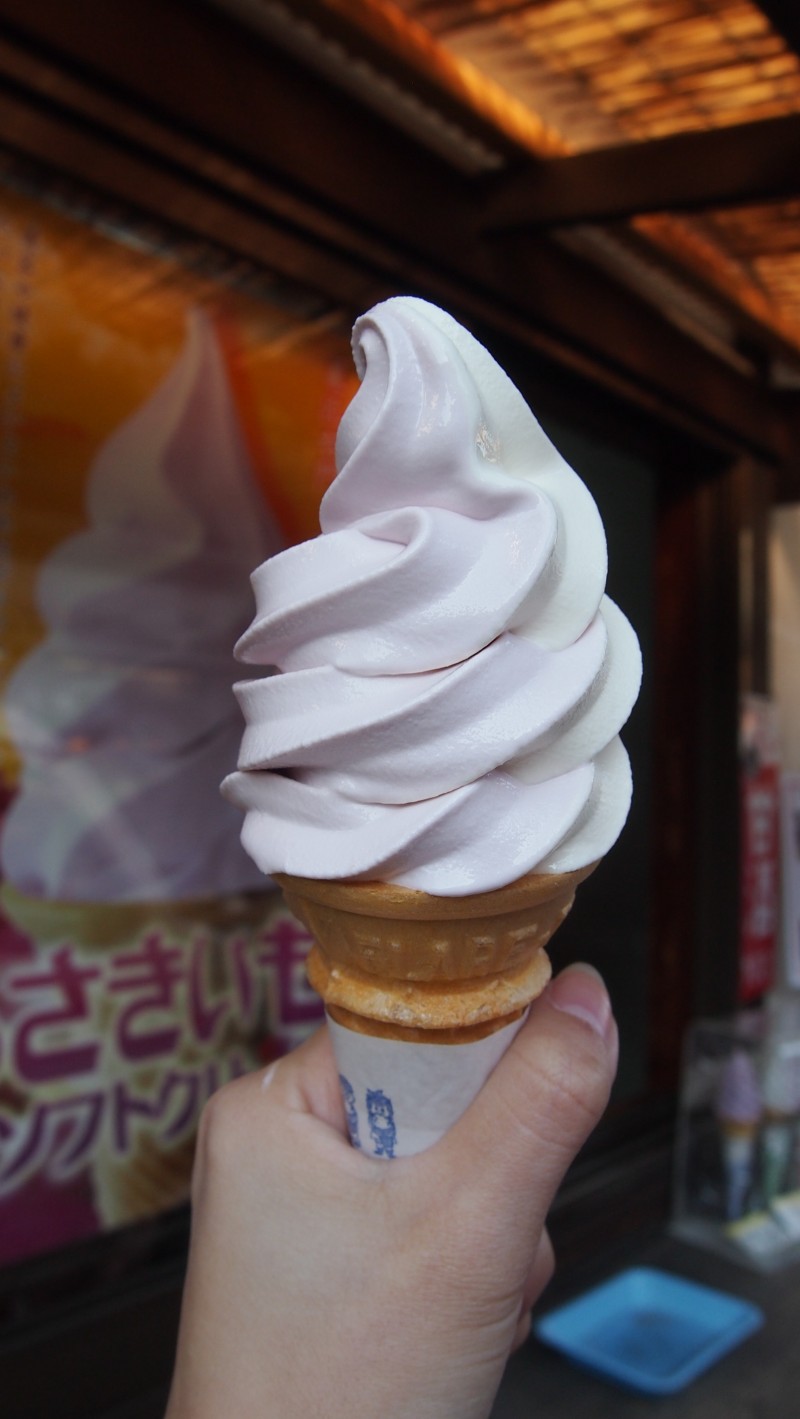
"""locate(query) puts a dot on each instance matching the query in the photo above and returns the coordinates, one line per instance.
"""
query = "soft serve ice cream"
(453, 678)
(436, 765)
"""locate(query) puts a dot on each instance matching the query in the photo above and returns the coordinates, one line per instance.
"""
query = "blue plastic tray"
(648, 1330)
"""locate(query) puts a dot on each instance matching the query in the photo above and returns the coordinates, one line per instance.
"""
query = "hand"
(324, 1282)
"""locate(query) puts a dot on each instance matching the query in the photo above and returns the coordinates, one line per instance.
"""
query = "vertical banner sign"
(759, 771)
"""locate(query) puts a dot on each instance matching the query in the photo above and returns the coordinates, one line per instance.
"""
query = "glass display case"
(737, 1186)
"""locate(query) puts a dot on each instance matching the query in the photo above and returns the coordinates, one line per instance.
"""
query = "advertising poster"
(162, 431)
(759, 768)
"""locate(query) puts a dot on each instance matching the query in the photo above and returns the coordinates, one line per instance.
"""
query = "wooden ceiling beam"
(784, 16)
(720, 167)
(206, 78)
(394, 67)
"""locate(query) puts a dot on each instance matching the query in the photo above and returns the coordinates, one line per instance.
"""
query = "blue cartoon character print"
(348, 1094)
(380, 1116)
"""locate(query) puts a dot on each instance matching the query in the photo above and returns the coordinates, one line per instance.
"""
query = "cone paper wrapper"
(400, 1098)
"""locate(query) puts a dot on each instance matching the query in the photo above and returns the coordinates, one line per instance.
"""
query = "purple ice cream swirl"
(452, 677)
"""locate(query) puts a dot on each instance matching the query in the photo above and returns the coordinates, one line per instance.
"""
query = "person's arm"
(325, 1283)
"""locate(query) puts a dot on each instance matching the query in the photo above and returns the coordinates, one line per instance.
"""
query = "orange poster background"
(100, 1088)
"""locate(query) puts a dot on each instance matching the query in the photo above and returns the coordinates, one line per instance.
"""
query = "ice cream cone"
(404, 965)
(403, 973)
(438, 710)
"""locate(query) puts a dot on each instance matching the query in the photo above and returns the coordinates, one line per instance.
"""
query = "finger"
(300, 1086)
(307, 1081)
(542, 1101)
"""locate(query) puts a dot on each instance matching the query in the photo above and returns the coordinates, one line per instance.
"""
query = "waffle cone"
(402, 964)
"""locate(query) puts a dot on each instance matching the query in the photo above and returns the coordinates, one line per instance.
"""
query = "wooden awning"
(670, 128)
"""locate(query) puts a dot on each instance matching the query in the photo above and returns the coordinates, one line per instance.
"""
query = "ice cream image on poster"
(739, 1112)
(123, 715)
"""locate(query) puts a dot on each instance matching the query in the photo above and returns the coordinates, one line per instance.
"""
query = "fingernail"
(579, 991)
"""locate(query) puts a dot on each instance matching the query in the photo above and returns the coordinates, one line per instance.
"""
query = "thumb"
(543, 1099)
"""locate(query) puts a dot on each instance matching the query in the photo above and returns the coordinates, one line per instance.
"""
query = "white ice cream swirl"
(453, 677)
